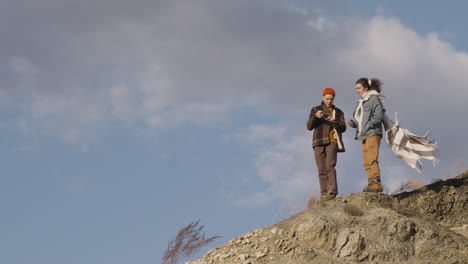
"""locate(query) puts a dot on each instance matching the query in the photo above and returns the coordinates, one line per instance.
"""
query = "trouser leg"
(365, 163)
(331, 152)
(320, 159)
(373, 156)
(370, 155)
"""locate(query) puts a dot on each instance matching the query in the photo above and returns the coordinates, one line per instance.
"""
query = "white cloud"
(209, 59)
(283, 160)
(161, 64)
(318, 23)
(123, 102)
(31, 142)
(24, 67)
(73, 116)
(410, 63)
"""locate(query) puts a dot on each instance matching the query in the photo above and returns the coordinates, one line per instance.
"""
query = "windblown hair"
(376, 84)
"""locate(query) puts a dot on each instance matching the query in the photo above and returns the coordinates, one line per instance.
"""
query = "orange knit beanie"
(328, 91)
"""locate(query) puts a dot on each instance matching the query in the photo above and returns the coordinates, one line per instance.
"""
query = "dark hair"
(376, 84)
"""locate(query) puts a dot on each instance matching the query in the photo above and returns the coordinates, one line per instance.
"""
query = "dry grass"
(287, 210)
(408, 187)
(188, 241)
(352, 210)
(312, 201)
(458, 166)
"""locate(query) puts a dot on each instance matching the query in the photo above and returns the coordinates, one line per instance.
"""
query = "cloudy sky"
(123, 121)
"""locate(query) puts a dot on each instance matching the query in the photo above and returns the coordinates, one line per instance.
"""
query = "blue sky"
(123, 121)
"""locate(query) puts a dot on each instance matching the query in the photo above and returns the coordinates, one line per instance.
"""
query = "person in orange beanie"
(328, 123)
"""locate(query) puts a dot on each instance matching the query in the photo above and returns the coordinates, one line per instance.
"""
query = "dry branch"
(188, 241)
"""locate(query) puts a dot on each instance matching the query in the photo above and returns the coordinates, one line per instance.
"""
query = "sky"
(123, 121)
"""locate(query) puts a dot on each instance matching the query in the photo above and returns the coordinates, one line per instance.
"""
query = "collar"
(325, 106)
(365, 96)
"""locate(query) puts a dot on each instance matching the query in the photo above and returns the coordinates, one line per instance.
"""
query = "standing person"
(367, 119)
(328, 122)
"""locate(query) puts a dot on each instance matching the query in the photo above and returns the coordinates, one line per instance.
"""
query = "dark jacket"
(322, 127)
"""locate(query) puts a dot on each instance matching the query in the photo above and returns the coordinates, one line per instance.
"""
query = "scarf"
(336, 135)
(405, 145)
(359, 112)
(409, 147)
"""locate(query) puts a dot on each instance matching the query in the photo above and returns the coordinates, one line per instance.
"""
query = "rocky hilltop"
(428, 225)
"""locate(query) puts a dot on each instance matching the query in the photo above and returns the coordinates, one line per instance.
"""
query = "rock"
(428, 225)
(243, 257)
(259, 255)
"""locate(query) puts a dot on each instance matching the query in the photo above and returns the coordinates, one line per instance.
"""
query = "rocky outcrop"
(424, 226)
(443, 202)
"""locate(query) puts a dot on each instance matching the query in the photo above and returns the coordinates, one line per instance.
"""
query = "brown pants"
(370, 156)
(325, 157)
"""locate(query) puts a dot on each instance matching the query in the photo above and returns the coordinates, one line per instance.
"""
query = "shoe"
(326, 197)
(375, 187)
(323, 198)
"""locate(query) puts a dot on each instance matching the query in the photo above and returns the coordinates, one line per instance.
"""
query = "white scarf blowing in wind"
(406, 146)
(409, 147)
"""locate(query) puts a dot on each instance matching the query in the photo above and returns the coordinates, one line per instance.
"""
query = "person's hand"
(332, 122)
(319, 114)
(351, 124)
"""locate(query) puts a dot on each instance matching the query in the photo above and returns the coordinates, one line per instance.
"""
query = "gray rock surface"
(428, 225)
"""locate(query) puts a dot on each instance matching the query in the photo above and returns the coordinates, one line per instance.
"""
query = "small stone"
(225, 256)
(259, 255)
(243, 256)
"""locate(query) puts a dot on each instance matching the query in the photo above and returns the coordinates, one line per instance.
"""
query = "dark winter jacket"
(322, 127)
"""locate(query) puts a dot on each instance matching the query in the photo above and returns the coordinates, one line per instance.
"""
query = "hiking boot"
(323, 198)
(326, 197)
(375, 187)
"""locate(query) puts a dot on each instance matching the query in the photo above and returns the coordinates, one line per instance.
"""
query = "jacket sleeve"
(353, 120)
(378, 112)
(341, 126)
(312, 122)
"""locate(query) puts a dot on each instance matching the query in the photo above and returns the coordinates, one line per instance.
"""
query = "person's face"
(360, 89)
(328, 99)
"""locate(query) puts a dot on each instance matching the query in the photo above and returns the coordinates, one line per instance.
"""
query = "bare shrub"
(296, 208)
(312, 201)
(188, 241)
(458, 165)
(352, 210)
(408, 187)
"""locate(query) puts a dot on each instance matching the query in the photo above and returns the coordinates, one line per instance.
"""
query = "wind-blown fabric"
(407, 146)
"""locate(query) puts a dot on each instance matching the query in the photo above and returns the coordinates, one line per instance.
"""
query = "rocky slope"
(428, 225)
